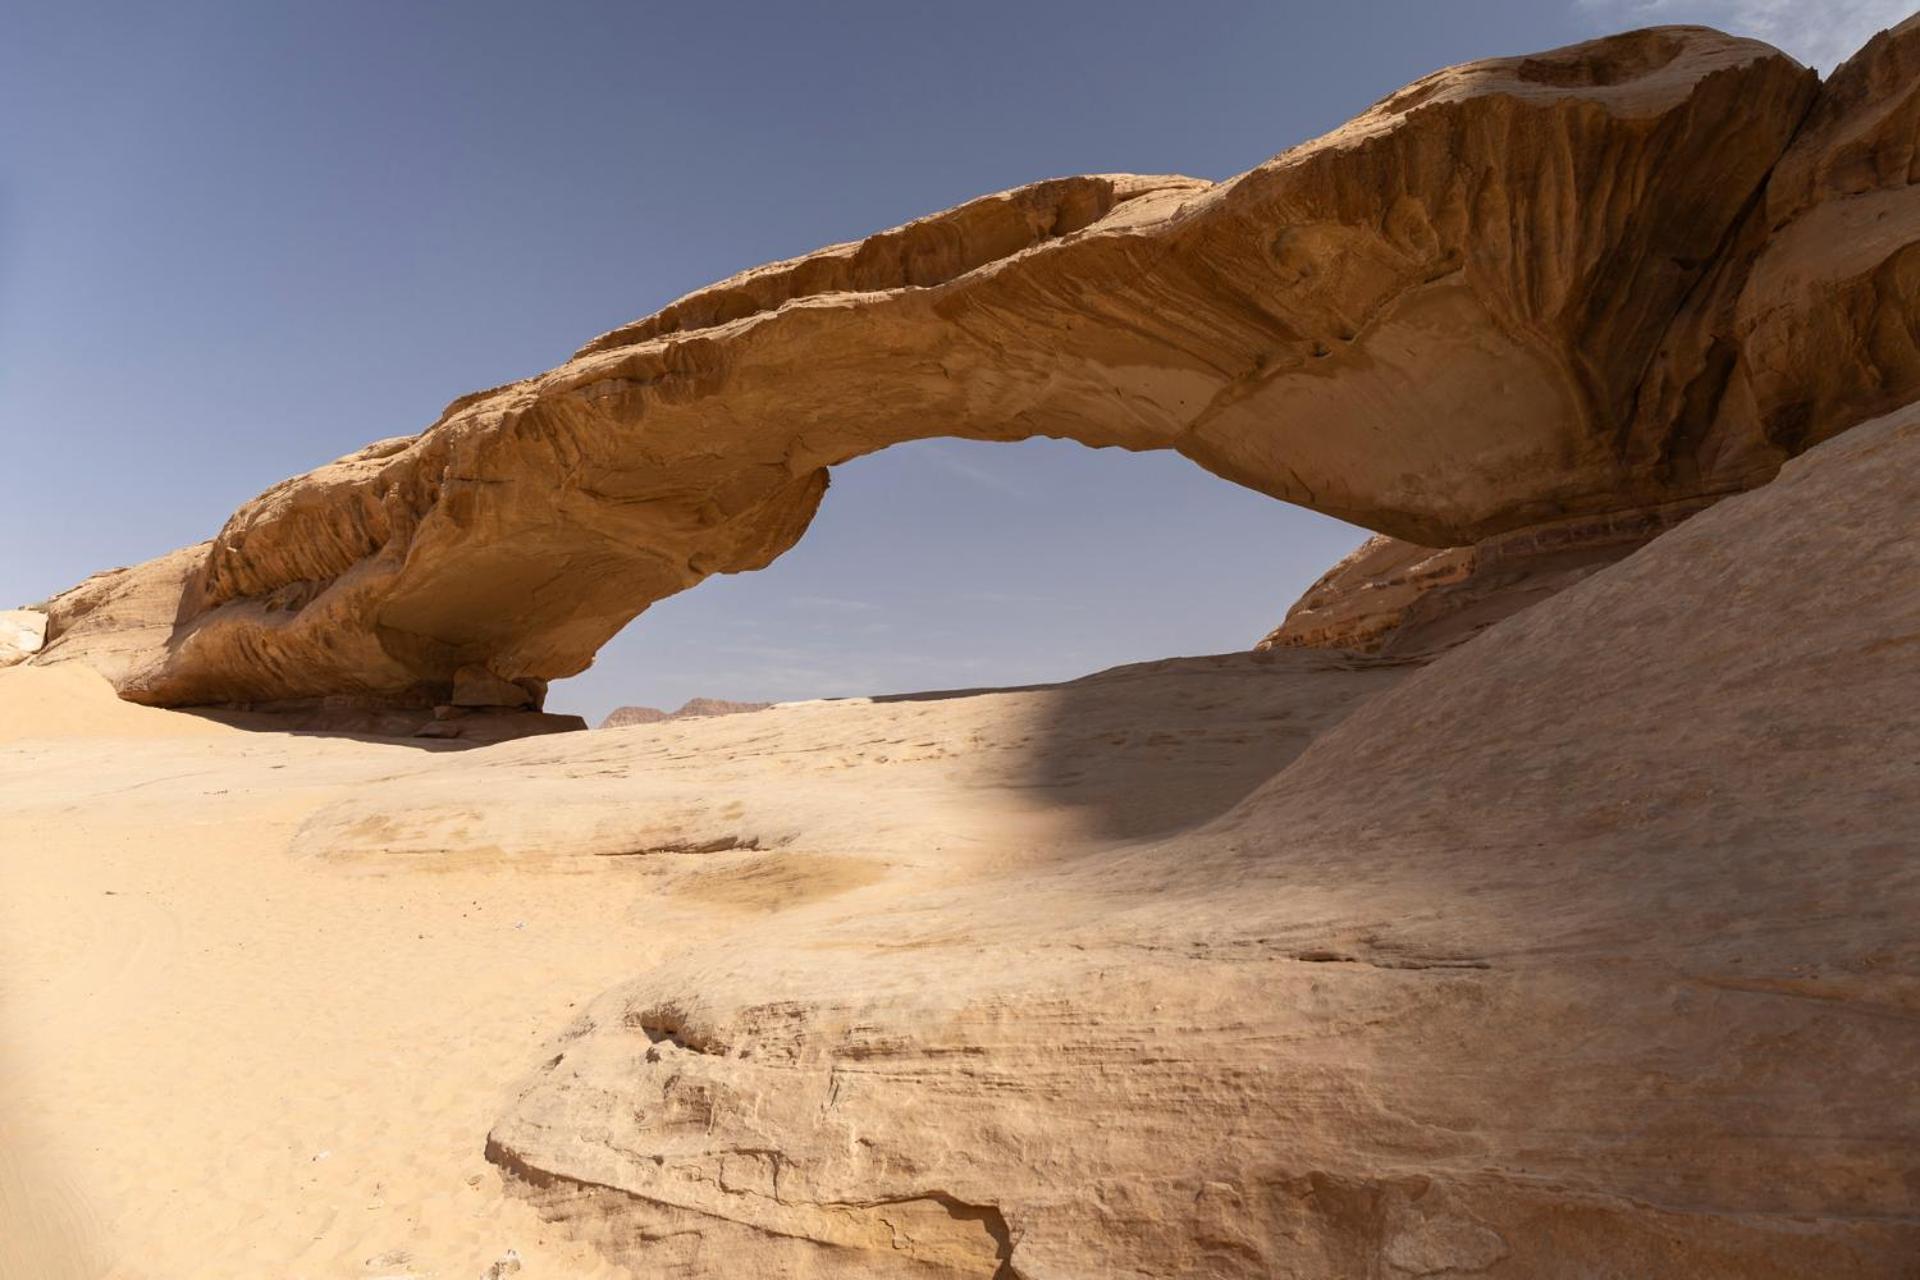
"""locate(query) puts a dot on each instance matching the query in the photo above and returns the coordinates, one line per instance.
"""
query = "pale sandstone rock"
(1545, 960)
(119, 621)
(22, 633)
(1434, 321)
(1548, 957)
(1586, 948)
(621, 717)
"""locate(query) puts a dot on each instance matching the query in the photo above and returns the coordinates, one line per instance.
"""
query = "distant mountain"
(693, 708)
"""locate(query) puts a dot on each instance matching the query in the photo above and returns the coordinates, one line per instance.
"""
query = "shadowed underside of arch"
(1507, 295)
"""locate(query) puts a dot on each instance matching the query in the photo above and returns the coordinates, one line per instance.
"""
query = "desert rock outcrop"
(22, 634)
(1545, 959)
(1403, 600)
(118, 620)
(1450, 319)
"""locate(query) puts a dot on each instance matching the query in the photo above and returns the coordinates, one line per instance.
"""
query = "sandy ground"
(264, 994)
(220, 1061)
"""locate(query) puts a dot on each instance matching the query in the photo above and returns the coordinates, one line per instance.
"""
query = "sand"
(234, 1047)
(220, 1061)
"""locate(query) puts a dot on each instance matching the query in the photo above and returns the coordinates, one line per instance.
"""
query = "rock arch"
(1506, 296)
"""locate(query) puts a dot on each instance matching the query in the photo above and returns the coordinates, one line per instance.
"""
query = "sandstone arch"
(1437, 321)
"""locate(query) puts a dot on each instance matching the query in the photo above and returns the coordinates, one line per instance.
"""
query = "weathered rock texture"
(1809, 322)
(1550, 958)
(120, 620)
(1403, 600)
(22, 633)
(1518, 292)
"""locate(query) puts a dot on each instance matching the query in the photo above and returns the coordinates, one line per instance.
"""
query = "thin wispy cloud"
(836, 604)
(1820, 33)
(947, 461)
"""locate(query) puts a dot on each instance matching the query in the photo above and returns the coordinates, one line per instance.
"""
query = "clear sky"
(240, 239)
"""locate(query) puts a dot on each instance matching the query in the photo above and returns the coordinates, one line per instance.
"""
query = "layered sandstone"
(1582, 945)
(118, 620)
(1435, 321)
(1808, 322)
(1547, 957)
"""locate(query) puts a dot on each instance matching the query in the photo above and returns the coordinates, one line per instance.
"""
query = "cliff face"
(1808, 321)
(1521, 291)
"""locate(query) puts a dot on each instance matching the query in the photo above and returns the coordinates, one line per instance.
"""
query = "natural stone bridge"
(1622, 277)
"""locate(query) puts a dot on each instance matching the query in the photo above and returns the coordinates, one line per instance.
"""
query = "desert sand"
(251, 1031)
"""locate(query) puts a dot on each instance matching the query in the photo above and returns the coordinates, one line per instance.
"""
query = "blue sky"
(237, 240)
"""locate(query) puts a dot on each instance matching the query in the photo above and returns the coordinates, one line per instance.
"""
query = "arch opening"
(951, 564)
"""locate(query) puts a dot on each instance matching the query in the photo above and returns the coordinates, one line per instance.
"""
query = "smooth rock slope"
(1548, 960)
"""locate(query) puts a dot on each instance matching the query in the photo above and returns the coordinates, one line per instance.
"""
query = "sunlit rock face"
(22, 633)
(1434, 321)
(1808, 322)
(1811, 319)
(1542, 959)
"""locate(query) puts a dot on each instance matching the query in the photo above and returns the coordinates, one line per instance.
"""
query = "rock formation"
(119, 620)
(1404, 600)
(22, 633)
(1521, 292)
(1545, 960)
(1809, 321)
(1569, 931)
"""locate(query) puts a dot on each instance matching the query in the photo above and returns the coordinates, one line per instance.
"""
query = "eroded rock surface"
(1809, 322)
(120, 620)
(1399, 599)
(22, 633)
(1435, 321)
(1545, 959)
